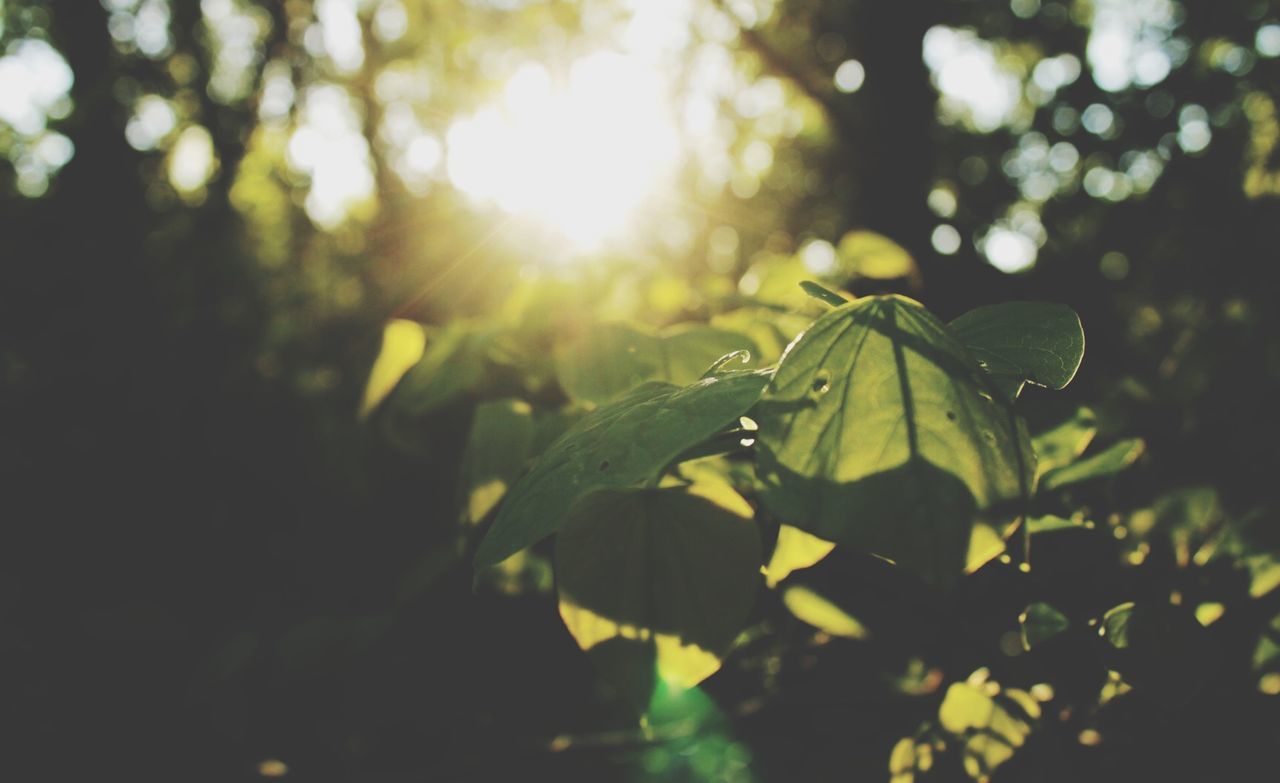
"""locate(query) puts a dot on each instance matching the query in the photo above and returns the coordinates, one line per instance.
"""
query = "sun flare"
(580, 156)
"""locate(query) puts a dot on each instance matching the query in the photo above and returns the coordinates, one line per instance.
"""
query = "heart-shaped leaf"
(1041, 622)
(658, 582)
(1024, 342)
(609, 359)
(879, 431)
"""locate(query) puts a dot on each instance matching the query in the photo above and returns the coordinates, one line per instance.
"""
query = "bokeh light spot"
(1008, 250)
(946, 240)
(850, 76)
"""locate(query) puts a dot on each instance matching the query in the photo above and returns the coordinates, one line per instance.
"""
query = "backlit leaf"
(821, 613)
(876, 256)
(795, 549)
(1106, 463)
(878, 431)
(1017, 342)
(771, 331)
(818, 292)
(991, 732)
(1050, 523)
(609, 359)
(1064, 442)
(452, 364)
(689, 350)
(622, 444)
(663, 578)
(1041, 622)
(1115, 624)
(402, 345)
(606, 361)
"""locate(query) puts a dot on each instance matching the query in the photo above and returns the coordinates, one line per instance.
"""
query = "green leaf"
(403, 343)
(689, 350)
(794, 550)
(1105, 463)
(775, 280)
(605, 361)
(818, 292)
(1115, 625)
(876, 256)
(770, 330)
(609, 359)
(667, 576)
(991, 732)
(822, 614)
(1041, 622)
(1061, 444)
(498, 446)
(623, 444)
(452, 364)
(878, 431)
(1050, 524)
(1024, 342)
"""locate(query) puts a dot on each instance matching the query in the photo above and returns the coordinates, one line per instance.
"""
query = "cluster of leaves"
(677, 477)
(661, 481)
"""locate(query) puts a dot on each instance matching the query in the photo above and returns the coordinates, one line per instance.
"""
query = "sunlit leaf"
(776, 280)
(402, 345)
(1104, 464)
(821, 294)
(689, 350)
(795, 549)
(606, 361)
(902, 761)
(771, 331)
(1115, 624)
(876, 256)
(991, 732)
(1264, 574)
(1041, 622)
(1017, 342)
(880, 432)
(609, 359)
(985, 544)
(822, 614)
(1050, 523)
(1061, 444)
(667, 575)
(500, 442)
(625, 443)
(451, 365)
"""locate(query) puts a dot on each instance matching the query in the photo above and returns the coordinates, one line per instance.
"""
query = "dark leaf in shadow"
(675, 568)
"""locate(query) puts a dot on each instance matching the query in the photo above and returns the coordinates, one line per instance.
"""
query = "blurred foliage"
(216, 213)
